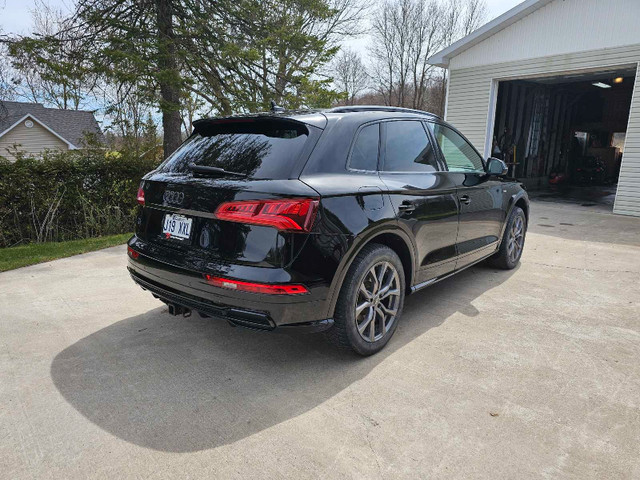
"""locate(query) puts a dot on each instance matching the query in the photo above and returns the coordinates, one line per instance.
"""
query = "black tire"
(506, 258)
(381, 324)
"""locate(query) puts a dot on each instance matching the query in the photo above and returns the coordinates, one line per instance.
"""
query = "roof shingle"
(69, 124)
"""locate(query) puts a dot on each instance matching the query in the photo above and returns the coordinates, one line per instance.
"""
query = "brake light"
(273, 289)
(287, 214)
(140, 195)
(132, 253)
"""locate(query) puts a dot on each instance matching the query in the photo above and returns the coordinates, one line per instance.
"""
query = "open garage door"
(565, 132)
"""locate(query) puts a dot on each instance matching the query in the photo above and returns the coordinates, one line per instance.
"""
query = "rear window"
(264, 150)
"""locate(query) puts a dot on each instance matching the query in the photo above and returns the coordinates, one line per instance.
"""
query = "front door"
(480, 196)
(422, 195)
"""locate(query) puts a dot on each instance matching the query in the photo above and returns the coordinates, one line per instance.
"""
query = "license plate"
(176, 226)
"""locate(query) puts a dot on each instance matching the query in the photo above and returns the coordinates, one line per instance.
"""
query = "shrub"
(69, 195)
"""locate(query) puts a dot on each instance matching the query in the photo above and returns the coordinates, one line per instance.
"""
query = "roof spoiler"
(245, 124)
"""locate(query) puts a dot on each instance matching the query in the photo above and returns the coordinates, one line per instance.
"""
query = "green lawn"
(16, 257)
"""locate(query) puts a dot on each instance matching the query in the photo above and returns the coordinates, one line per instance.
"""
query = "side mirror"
(495, 166)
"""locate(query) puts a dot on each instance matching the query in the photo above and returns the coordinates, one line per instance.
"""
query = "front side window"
(364, 155)
(458, 154)
(408, 149)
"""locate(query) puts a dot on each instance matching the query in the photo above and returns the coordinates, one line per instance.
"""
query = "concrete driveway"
(532, 373)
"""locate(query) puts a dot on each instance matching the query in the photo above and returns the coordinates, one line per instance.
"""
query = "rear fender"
(366, 238)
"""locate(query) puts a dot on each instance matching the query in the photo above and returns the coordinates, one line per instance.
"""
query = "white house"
(552, 85)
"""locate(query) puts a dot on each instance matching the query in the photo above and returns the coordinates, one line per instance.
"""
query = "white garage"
(552, 87)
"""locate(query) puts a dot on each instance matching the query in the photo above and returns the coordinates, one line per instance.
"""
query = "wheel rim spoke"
(372, 326)
(387, 286)
(383, 319)
(390, 293)
(364, 291)
(360, 308)
(363, 326)
(383, 271)
(374, 278)
(388, 311)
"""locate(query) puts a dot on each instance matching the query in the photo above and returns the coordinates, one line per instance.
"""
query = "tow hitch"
(178, 310)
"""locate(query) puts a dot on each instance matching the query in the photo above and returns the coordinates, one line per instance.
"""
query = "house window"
(28, 124)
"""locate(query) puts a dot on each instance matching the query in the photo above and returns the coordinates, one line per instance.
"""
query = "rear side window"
(262, 150)
(408, 149)
(364, 155)
(458, 154)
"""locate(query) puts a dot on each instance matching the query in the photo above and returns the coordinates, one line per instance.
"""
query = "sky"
(15, 16)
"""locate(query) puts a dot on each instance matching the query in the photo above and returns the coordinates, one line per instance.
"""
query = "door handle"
(406, 207)
(465, 199)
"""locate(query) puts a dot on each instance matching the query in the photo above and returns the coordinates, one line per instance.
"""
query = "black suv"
(321, 220)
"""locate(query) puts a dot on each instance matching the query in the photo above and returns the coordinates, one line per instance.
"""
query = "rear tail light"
(273, 289)
(140, 195)
(132, 253)
(287, 214)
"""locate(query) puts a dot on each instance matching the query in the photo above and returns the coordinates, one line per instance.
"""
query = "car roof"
(379, 108)
(319, 117)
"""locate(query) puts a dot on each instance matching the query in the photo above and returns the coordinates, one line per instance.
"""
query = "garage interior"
(565, 135)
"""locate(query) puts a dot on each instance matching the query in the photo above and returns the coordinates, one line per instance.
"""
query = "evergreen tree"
(236, 55)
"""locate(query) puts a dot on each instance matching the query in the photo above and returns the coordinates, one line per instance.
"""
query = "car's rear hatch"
(228, 160)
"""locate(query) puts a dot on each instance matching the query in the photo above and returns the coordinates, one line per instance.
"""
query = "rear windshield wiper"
(214, 171)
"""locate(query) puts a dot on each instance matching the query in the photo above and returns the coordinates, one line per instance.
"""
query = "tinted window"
(257, 149)
(408, 148)
(364, 155)
(458, 153)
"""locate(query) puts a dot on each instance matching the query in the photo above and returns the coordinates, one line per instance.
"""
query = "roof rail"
(378, 108)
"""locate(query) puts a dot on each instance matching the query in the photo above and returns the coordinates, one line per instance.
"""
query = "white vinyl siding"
(628, 194)
(32, 140)
(469, 100)
(557, 28)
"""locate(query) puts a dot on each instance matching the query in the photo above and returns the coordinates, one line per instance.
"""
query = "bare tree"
(128, 116)
(405, 34)
(55, 75)
(425, 42)
(7, 79)
(192, 107)
(461, 17)
(350, 74)
(474, 15)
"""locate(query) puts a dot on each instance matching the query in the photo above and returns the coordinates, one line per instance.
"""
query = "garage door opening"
(565, 133)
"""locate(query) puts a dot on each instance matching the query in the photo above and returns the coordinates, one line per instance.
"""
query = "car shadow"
(186, 384)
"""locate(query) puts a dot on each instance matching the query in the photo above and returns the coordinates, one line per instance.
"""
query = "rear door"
(479, 196)
(422, 195)
(261, 159)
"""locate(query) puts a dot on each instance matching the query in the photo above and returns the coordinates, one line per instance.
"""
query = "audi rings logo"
(174, 198)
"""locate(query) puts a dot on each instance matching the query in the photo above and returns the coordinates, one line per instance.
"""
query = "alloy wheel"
(377, 301)
(515, 241)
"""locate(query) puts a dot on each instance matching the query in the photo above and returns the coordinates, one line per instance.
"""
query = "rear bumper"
(279, 313)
